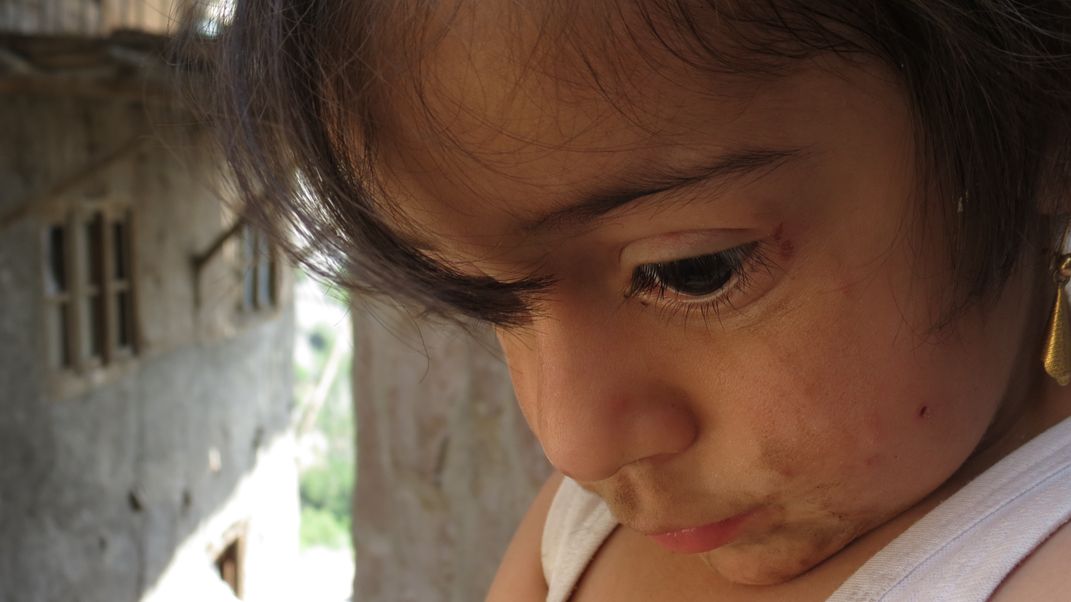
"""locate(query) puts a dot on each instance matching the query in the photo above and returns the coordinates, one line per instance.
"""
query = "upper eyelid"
(687, 258)
(684, 245)
(754, 246)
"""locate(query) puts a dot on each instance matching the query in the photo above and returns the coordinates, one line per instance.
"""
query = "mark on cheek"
(784, 245)
(923, 410)
(780, 459)
(847, 289)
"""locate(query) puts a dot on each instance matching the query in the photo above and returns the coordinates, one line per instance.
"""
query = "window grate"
(88, 289)
(259, 271)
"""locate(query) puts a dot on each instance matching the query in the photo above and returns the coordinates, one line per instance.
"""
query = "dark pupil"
(694, 276)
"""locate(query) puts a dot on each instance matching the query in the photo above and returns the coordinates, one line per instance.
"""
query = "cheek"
(864, 415)
(519, 360)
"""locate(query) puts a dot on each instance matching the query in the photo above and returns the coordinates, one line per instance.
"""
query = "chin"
(775, 560)
(759, 571)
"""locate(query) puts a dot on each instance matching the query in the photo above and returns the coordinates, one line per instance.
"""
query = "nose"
(593, 394)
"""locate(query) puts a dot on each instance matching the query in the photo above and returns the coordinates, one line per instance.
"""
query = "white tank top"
(960, 551)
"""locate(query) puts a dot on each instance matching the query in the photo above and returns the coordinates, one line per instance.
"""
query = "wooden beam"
(204, 257)
(200, 260)
(74, 180)
(16, 62)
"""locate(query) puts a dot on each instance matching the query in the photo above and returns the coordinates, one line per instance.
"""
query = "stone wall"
(446, 464)
(123, 482)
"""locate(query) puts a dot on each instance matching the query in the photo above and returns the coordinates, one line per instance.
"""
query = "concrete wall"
(122, 483)
(88, 17)
(446, 464)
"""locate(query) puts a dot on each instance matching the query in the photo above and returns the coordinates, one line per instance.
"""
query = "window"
(88, 289)
(258, 260)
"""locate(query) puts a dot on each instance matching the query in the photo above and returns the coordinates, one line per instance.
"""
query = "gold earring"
(1058, 341)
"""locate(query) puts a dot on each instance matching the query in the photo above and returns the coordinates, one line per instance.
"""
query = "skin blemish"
(784, 246)
(847, 288)
(923, 410)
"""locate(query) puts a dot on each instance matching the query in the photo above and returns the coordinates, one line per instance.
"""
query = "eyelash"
(743, 261)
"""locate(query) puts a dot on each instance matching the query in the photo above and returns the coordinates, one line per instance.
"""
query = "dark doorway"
(229, 564)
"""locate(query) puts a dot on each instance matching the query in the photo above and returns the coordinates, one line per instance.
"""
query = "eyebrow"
(729, 166)
(511, 303)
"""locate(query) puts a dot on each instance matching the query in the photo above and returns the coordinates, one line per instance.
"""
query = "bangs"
(310, 95)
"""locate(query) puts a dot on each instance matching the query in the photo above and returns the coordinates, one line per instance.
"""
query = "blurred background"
(184, 415)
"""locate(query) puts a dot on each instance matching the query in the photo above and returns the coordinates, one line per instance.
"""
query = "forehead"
(511, 112)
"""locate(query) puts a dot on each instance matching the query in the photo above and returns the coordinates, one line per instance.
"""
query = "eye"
(694, 277)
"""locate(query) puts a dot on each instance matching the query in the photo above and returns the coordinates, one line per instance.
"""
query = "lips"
(703, 538)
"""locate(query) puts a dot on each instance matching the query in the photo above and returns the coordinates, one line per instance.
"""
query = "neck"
(1033, 403)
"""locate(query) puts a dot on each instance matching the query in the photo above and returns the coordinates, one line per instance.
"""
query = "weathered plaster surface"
(109, 489)
(84, 17)
(446, 464)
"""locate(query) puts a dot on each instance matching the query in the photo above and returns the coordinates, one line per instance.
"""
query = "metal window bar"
(248, 264)
(265, 275)
(121, 334)
(92, 294)
(57, 296)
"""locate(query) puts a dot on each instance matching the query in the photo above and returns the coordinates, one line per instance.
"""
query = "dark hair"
(989, 82)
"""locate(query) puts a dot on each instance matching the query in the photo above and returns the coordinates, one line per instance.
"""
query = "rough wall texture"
(123, 483)
(446, 464)
(88, 17)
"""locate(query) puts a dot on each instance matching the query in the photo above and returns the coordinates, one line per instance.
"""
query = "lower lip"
(704, 538)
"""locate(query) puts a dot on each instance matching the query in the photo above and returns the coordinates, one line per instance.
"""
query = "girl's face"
(741, 324)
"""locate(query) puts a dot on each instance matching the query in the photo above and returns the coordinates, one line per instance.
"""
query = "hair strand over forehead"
(301, 89)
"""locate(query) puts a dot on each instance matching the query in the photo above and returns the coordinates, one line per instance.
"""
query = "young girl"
(776, 280)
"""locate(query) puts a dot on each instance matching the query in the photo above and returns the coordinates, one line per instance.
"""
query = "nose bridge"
(600, 404)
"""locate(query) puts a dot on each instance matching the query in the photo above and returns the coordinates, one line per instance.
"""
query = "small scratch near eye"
(785, 246)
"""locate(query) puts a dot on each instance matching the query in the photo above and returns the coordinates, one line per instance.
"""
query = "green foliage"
(329, 487)
(326, 494)
(327, 479)
(323, 528)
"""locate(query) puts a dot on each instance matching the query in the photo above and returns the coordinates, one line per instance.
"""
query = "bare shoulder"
(1042, 574)
(520, 575)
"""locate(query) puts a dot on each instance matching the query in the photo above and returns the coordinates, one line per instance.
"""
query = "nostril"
(591, 447)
